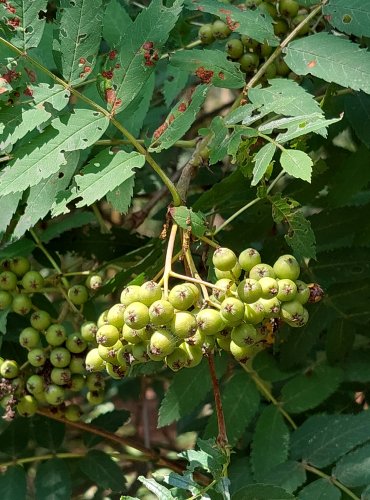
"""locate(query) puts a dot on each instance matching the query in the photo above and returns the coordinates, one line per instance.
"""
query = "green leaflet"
(45, 154)
(53, 480)
(116, 22)
(357, 111)
(296, 163)
(8, 206)
(102, 470)
(187, 219)
(261, 491)
(332, 58)
(354, 468)
(322, 489)
(351, 17)
(79, 32)
(262, 161)
(13, 483)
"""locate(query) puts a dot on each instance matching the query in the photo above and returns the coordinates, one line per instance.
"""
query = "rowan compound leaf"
(262, 161)
(296, 163)
(210, 66)
(332, 58)
(179, 120)
(351, 17)
(28, 31)
(79, 31)
(270, 443)
(187, 219)
(44, 155)
(244, 21)
(321, 489)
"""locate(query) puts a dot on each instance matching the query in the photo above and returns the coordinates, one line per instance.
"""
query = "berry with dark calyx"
(136, 315)
(254, 313)
(77, 365)
(234, 274)
(55, 335)
(27, 406)
(234, 48)
(116, 371)
(268, 8)
(205, 34)
(224, 343)
(194, 354)
(75, 343)
(37, 357)
(130, 294)
(249, 258)
(60, 376)
(161, 312)
(261, 271)
(177, 359)
(281, 27)
(183, 324)
(77, 382)
(271, 306)
(244, 334)
(299, 320)
(17, 385)
(220, 29)
(109, 354)
(196, 340)
(303, 292)
(131, 335)
(244, 353)
(95, 397)
(20, 266)
(292, 311)
(287, 266)
(72, 413)
(95, 382)
(232, 311)
(55, 394)
(8, 281)
(161, 344)
(249, 62)
(195, 289)
(9, 369)
(93, 361)
(210, 321)
(224, 259)
(88, 331)
(269, 287)
(40, 320)
(150, 292)
(249, 42)
(78, 294)
(225, 287)
(115, 315)
(35, 383)
(181, 297)
(29, 338)
(102, 320)
(249, 290)
(21, 304)
(60, 357)
(288, 8)
(287, 290)
(107, 335)
(94, 281)
(6, 299)
(32, 281)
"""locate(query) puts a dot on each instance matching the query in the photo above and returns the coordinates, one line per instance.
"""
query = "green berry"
(287, 266)
(32, 281)
(131, 335)
(60, 376)
(29, 338)
(194, 354)
(150, 292)
(224, 343)
(220, 29)
(40, 320)
(225, 288)
(297, 20)
(6, 300)
(234, 48)
(244, 353)
(95, 382)
(75, 343)
(77, 382)
(303, 292)
(136, 315)
(36, 357)
(9, 369)
(271, 306)
(54, 394)
(182, 297)
(249, 290)
(115, 315)
(161, 344)
(116, 372)
(232, 311)
(60, 357)
(210, 321)
(292, 311)
(244, 334)
(205, 34)
(288, 8)
(55, 335)
(94, 282)
(183, 324)
(224, 259)
(266, 49)
(261, 271)
(78, 294)
(139, 352)
(234, 274)
(35, 383)
(249, 43)
(130, 294)
(88, 331)
(95, 397)
(8, 281)
(93, 361)
(282, 68)
(21, 304)
(195, 289)
(270, 71)
(77, 365)
(268, 8)
(249, 258)
(107, 335)
(287, 290)
(20, 266)
(197, 339)
(109, 354)
(269, 287)
(249, 62)
(161, 312)
(18, 385)
(72, 413)
(177, 359)
(281, 27)
(102, 320)
(27, 406)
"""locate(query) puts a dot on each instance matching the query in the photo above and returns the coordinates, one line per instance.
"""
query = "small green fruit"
(20, 266)
(183, 324)
(8, 281)
(29, 338)
(107, 335)
(40, 320)
(249, 290)
(136, 315)
(206, 34)
(115, 315)
(220, 29)
(93, 361)
(161, 312)
(78, 294)
(75, 343)
(249, 258)
(261, 271)
(234, 48)
(210, 321)
(60, 357)
(27, 406)
(56, 335)
(32, 281)
(287, 266)
(287, 290)
(150, 292)
(37, 357)
(130, 294)
(9, 369)
(232, 311)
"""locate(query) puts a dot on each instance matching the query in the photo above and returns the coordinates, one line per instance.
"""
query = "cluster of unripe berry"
(250, 53)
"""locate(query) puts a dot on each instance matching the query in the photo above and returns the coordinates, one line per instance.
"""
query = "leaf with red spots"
(351, 17)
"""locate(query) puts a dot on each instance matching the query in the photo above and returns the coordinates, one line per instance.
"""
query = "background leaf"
(322, 489)
(13, 483)
(53, 481)
(102, 470)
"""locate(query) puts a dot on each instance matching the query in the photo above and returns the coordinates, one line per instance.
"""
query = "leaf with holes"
(332, 58)
(262, 161)
(79, 30)
(44, 155)
(351, 17)
(300, 236)
(296, 163)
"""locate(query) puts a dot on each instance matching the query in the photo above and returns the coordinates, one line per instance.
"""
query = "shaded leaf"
(13, 483)
(53, 481)
(339, 340)
(354, 468)
(342, 266)
(289, 475)
(102, 470)
(350, 17)
(15, 437)
(110, 421)
(322, 489)
(262, 492)
(116, 22)
(357, 109)
(48, 433)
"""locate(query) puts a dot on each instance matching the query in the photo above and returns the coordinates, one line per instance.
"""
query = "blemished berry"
(281, 27)
(29, 338)
(261, 271)
(60, 357)
(8, 281)
(35, 383)
(107, 335)
(27, 406)
(9, 369)
(220, 29)
(183, 324)
(161, 344)
(6, 299)
(224, 259)
(150, 292)
(55, 394)
(20, 266)
(55, 335)
(177, 359)
(249, 290)
(115, 315)
(109, 354)
(194, 354)
(303, 292)
(115, 371)
(93, 361)
(271, 306)
(136, 315)
(232, 311)
(249, 258)
(131, 335)
(161, 312)
(75, 343)
(130, 294)
(18, 385)
(94, 281)
(269, 287)
(181, 297)
(95, 382)
(88, 331)
(72, 413)
(210, 321)
(288, 8)
(77, 365)
(268, 8)
(32, 281)
(95, 397)
(287, 290)
(244, 334)
(102, 320)
(249, 62)
(234, 274)
(78, 294)
(287, 266)
(37, 357)
(292, 311)
(40, 320)
(21, 304)
(197, 339)
(234, 48)
(77, 382)
(60, 376)
(139, 352)
(206, 34)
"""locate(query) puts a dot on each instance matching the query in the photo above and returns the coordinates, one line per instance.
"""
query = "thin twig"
(222, 435)
(168, 261)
